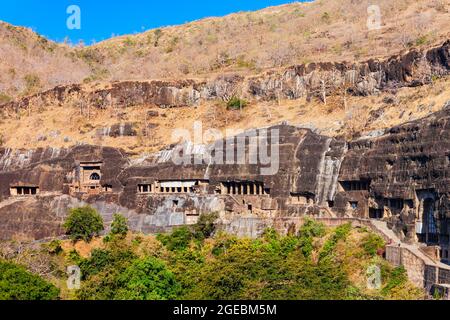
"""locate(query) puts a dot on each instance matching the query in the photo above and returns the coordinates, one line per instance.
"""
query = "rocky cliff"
(415, 68)
(400, 176)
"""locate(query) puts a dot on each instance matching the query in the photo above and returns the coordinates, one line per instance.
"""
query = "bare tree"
(323, 91)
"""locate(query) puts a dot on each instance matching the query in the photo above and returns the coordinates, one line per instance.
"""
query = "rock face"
(412, 69)
(253, 179)
(404, 175)
(267, 177)
(312, 80)
(281, 172)
(166, 194)
(126, 129)
(117, 94)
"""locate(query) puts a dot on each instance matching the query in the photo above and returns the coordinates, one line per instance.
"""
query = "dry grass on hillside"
(244, 42)
(65, 126)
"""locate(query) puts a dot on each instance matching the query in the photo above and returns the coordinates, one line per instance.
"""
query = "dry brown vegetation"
(63, 126)
(294, 33)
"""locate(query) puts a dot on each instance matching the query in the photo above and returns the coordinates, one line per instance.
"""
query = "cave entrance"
(24, 190)
(244, 188)
(375, 213)
(429, 222)
(145, 188)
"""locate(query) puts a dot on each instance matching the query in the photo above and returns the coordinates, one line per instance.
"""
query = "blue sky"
(100, 19)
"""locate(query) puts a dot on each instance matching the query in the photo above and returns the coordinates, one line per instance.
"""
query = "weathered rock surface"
(401, 176)
(414, 68)
(126, 129)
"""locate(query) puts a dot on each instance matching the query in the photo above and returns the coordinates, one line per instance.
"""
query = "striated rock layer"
(415, 68)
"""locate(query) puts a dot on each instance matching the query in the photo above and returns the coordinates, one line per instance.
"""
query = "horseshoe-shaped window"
(95, 176)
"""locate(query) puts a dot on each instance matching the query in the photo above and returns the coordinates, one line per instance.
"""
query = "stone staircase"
(421, 268)
(382, 227)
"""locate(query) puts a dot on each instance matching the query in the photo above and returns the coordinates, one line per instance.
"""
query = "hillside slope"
(290, 34)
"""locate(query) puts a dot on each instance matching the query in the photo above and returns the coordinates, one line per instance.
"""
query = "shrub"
(326, 18)
(97, 75)
(4, 98)
(158, 34)
(172, 44)
(90, 56)
(205, 226)
(119, 226)
(101, 271)
(117, 274)
(422, 40)
(372, 243)
(100, 260)
(339, 234)
(129, 42)
(398, 277)
(179, 239)
(83, 223)
(308, 231)
(32, 83)
(54, 247)
(74, 257)
(242, 63)
(18, 284)
(255, 269)
(236, 103)
(312, 228)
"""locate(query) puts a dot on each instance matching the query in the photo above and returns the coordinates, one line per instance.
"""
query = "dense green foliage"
(119, 226)
(118, 274)
(190, 265)
(274, 269)
(83, 223)
(307, 233)
(18, 284)
(180, 238)
(147, 279)
(397, 278)
(339, 234)
(197, 262)
(205, 226)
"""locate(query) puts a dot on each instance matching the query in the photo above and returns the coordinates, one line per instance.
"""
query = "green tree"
(101, 271)
(147, 279)
(308, 231)
(179, 239)
(83, 223)
(18, 284)
(101, 260)
(119, 226)
(205, 226)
